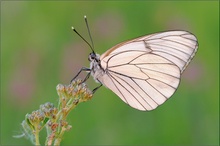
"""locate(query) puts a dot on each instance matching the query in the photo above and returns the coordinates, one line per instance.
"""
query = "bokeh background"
(39, 50)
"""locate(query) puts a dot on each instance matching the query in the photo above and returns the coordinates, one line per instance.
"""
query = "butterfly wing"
(145, 72)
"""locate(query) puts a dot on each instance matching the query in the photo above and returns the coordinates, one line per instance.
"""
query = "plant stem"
(59, 138)
(36, 133)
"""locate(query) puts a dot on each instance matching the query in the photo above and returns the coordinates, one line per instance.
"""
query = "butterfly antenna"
(82, 38)
(90, 36)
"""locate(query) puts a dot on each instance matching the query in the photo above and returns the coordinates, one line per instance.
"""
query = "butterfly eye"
(92, 56)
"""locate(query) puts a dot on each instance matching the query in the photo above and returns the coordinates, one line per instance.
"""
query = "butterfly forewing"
(145, 72)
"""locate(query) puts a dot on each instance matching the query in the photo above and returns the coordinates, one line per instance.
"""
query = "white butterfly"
(144, 72)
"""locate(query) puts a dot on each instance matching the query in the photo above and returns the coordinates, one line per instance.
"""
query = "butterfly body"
(95, 66)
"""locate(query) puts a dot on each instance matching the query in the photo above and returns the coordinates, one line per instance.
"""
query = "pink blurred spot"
(108, 25)
(74, 57)
(23, 80)
(193, 73)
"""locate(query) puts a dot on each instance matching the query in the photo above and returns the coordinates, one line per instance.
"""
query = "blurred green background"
(39, 51)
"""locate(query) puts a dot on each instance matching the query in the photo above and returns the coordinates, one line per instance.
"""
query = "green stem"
(59, 137)
(36, 134)
(48, 134)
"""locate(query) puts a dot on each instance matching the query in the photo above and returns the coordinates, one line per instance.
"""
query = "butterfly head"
(93, 57)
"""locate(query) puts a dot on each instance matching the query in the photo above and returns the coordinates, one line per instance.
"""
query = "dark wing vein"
(167, 53)
(137, 57)
(145, 93)
(154, 70)
(188, 38)
(137, 63)
(108, 70)
(177, 42)
(123, 87)
(152, 35)
(163, 45)
(130, 91)
(114, 54)
(116, 87)
(157, 89)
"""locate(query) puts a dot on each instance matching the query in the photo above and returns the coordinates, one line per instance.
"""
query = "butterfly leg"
(94, 90)
(82, 69)
(87, 77)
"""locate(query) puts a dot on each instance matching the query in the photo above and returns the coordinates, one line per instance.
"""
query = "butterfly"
(144, 72)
